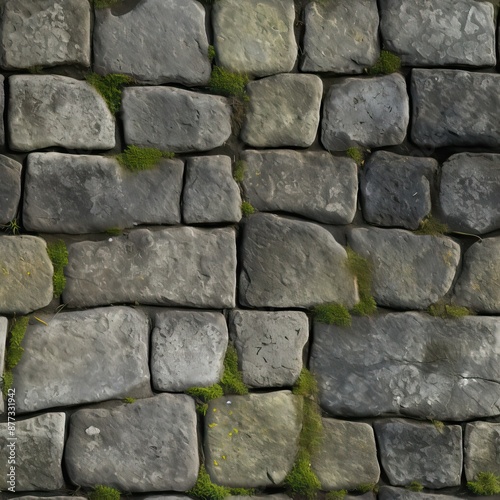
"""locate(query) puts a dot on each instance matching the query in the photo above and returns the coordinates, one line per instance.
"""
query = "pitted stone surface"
(83, 357)
(341, 36)
(187, 349)
(418, 451)
(158, 41)
(409, 271)
(290, 263)
(396, 190)
(83, 194)
(392, 493)
(371, 112)
(149, 445)
(175, 120)
(481, 449)
(4, 328)
(10, 188)
(38, 452)
(256, 38)
(238, 434)
(269, 345)
(283, 111)
(181, 266)
(316, 185)
(210, 193)
(2, 109)
(439, 32)
(347, 456)
(46, 111)
(409, 364)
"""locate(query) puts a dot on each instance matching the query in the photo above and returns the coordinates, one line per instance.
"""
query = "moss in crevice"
(486, 483)
(101, 492)
(110, 87)
(58, 254)
(356, 154)
(361, 269)
(332, 314)
(387, 63)
(211, 53)
(239, 170)
(204, 489)
(229, 84)
(104, 4)
(415, 486)
(136, 159)
(232, 379)
(336, 495)
(247, 209)
(431, 226)
(14, 350)
(448, 311)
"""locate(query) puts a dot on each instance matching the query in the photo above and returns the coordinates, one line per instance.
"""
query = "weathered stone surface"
(449, 109)
(468, 193)
(54, 497)
(409, 271)
(276, 496)
(181, 266)
(52, 110)
(238, 452)
(371, 112)
(158, 41)
(341, 36)
(175, 120)
(255, 38)
(83, 357)
(290, 263)
(418, 451)
(10, 188)
(392, 493)
(396, 190)
(347, 456)
(313, 184)
(83, 194)
(210, 193)
(439, 32)
(2, 109)
(269, 346)
(149, 445)
(26, 274)
(409, 364)
(37, 451)
(4, 329)
(481, 449)
(283, 111)
(187, 349)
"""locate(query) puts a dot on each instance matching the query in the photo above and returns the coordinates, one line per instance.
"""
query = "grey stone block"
(2, 110)
(4, 329)
(392, 493)
(10, 188)
(481, 449)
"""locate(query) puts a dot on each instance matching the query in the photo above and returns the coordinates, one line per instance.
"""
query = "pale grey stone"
(283, 111)
(313, 184)
(392, 493)
(83, 194)
(50, 110)
(83, 357)
(2, 110)
(10, 188)
(290, 263)
(269, 345)
(149, 445)
(481, 449)
(180, 266)
(4, 329)
(276, 496)
(55, 497)
(187, 349)
(238, 453)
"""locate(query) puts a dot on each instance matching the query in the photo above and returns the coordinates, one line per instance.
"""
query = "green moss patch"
(211, 53)
(415, 486)
(442, 310)
(357, 154)
(129, 400)
(101, 492)
(16, 336)
(204, 489)
(486, 483)
(58, 254)
(225, 82)
(336, 495)
(135, 158)
(302, 480)
(206, 393)
(332, 314)
(239, 171)
(387, 63)
(362, 271)
(232, 379)
(110, 86)
(247, 209)
(431, 226)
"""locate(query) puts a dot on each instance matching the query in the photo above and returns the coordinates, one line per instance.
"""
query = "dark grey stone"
(481, 449)
(392, 493)
(4, 328)
(10, 188)
(2, 109)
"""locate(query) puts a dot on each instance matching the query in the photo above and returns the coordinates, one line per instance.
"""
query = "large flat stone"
(83, 194)
(158, 41)
(481, 449)
(180, 266)
(4, 329)
(175, 120)
(149, 445)
(313, 184)
(83, 357)
(10, 188)
(392, 493)
(409, 364)
(46, 111)
(290, 263)
(2, 109)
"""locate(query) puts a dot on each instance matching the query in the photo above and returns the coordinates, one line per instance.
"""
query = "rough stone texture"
(175, 120)
(4, 328)
(2, 109)
(83, 194)
(158, 41)
(187, 349)
(54, 497)
(290, 263)
(283, 111)
(439, 32)
(256, 38)
(396, 190)
(409, 364)
(38, 450)
(254, 440)
(276, 496)
(392, 493)
(481, 449)
(26, 273)
(418, 451)
(455, 108)
(341, 36)
(210, 193)
(181, 266)
(409, 271)
(52, 110)
(347, 456)
(269, 346)
(83, 357)
(149, 445)
(370, 113)
(313, 184)
(468, 193)
(10, 188)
